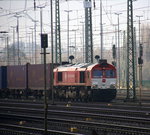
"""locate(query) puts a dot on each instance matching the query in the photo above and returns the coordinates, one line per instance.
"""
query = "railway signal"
(71, 57)
(114, 51)
(140, 62)
(97, 57)
(114, 55)
(141, 50)
(44, 41)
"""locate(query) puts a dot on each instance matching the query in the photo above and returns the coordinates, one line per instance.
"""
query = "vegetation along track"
(85, 119)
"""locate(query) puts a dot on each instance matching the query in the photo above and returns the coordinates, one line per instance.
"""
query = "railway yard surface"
(26, 117)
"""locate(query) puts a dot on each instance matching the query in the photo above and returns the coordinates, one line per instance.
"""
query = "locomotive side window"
(110, 73)
(82, 77)
(97, 73)
(60, 76)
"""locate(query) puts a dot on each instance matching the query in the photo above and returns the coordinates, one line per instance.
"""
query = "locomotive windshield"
(110, 73)
(97, 73)
(103, 73)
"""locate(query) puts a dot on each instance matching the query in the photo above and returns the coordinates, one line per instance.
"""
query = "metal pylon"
(57, 33)
(124, 61)
(135, 57)
(131, 92)
(88, 32)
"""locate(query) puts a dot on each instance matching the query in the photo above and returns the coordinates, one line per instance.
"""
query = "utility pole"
(115, 44)
(14, 27)
(83, 42)
(32, 45)
(140, 62)
(34, 21)
(7, 46)
(135, 56)
(30, 60)
(75, 54)
(131, 91)
(52, 52)
(41, 26)
(17, 30)
(101, 28)
(119, 75)
(75, 36)
(68, 53)
(124, 60)
(57, 34)
(88, 32)
(139, 17)
(35, 40)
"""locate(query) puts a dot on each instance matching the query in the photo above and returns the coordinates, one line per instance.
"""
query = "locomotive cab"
(103, 81)
(103, 77)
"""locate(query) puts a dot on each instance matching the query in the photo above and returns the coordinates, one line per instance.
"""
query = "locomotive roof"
(78, 65)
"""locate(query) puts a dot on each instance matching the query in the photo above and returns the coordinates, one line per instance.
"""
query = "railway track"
(85, 119)
(9, 129)
(125, 110)
(120, 104)
(95, 117)
(83, 126)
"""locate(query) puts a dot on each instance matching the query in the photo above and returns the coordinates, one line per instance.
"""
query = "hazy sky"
(8, 8)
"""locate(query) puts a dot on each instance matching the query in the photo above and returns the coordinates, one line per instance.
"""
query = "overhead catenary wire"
(106, 13)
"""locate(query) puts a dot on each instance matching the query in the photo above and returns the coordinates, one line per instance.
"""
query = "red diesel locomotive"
(85, 81)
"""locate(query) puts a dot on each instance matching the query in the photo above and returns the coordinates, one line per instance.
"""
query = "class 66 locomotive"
(85, 82)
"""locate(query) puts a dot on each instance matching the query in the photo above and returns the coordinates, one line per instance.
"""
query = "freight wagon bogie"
(4, 93)
(33, 94)
(22, 94)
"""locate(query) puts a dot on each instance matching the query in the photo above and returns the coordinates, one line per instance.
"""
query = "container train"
(79, 82)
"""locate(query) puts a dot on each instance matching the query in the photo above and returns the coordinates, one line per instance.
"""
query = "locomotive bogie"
(104, 95)
(72, 93)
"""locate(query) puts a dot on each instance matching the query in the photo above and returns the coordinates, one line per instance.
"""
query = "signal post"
(140, 62)
(44, 45)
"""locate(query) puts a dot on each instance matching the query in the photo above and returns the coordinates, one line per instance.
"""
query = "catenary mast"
(57, 33)
(131, 92)
(88, 32)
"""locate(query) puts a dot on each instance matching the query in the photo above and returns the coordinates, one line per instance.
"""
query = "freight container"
(17, 77)
(36, 76)
(3, 77)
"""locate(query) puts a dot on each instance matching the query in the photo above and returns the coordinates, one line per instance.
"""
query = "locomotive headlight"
(95, 85)
(112, 86)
